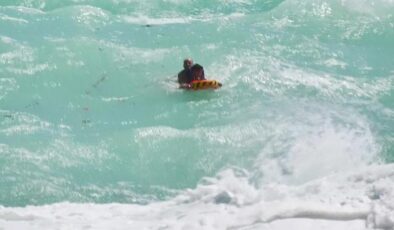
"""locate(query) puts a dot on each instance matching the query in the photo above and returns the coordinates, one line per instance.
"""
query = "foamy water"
(95, 134)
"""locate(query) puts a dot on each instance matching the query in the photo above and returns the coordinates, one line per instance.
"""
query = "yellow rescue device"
(205, 84)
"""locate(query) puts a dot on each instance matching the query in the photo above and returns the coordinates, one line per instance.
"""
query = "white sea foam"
(278, 78)
(7, 40)
(358, 200)
(145, 20)
(23, 124)
(21, 59)
(165, 20)
(314, 153)
(375, 7)
(31, 69)
(115, 99)
(92, 17)
(134, 55)
(334, 62)
(12, 19)
(7, 85)
(27, 10)
(20, 54)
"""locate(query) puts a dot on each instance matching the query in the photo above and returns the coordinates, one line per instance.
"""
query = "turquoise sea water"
(90, 110)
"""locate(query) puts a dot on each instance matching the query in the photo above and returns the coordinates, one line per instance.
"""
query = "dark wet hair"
(196, 67)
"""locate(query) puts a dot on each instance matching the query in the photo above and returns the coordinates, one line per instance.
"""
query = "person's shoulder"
(181, 72)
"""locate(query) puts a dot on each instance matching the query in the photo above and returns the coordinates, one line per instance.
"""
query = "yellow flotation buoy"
(205, 84)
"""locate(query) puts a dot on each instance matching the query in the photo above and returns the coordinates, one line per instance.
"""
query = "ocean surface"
(96, 134)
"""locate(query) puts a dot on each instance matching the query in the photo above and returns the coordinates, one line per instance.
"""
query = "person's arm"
(182, 80)
(181, 77)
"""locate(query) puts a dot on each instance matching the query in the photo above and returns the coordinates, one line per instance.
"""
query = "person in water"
(190, 73)
(185, 76)
(197, 72)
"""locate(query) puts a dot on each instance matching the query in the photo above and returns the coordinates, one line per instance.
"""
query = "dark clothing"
(185, 76)
(196, 72)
